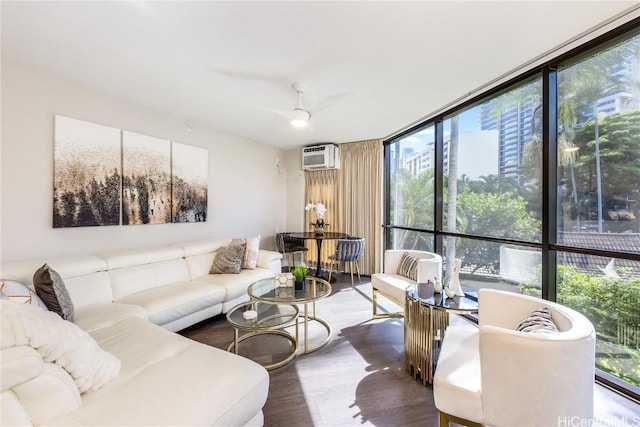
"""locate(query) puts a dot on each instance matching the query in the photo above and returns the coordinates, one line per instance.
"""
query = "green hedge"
(613, 306)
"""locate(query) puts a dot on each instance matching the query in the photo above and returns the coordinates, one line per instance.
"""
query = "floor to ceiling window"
(535, 187)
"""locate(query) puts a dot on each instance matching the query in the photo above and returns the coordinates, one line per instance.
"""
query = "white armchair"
(496, 376)
(392, 285)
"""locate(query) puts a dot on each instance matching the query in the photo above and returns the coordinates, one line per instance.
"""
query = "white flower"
(320, 210)
(319, 207)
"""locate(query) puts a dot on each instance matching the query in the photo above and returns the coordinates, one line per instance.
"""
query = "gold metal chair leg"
(446, 419)
(444, 422)
(374, 300)
(351, 271)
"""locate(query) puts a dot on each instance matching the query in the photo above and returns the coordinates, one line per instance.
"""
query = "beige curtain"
(353, 196)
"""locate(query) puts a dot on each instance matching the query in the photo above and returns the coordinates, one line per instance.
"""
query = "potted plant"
(300, 274)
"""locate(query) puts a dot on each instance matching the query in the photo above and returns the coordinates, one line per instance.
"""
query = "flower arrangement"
(320, 211)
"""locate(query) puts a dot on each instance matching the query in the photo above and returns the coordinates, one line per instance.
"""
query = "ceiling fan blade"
(283, 113)
(329, 101)
(249, 76)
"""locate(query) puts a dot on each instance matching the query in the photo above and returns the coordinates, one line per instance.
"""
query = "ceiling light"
(299, 118)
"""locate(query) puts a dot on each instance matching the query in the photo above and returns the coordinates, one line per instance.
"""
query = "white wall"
(295, 190)
(246, 191)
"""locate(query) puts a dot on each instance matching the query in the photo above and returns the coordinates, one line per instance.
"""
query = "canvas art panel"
(87, 172)
(146, 179)
(190, 177)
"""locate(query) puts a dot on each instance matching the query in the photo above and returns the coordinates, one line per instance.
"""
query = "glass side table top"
(269, 315)
(268, 290)
(424, 293)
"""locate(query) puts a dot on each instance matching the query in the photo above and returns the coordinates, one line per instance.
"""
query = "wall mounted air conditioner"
(318, 157)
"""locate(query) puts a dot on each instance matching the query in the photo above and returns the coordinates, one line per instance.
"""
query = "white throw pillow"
(19, 292)
(251, 255)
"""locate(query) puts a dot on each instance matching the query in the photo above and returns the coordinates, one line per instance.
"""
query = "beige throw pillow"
(250, 261)
(229, 259)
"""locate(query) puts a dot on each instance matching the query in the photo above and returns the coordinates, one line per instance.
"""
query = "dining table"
(319, 238)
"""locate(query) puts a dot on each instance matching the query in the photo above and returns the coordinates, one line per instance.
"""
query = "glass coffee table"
(269, 319)
(267, 291)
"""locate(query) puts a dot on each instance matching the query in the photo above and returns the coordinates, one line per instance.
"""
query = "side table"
(426, 317)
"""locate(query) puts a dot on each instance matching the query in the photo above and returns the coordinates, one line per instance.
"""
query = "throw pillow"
(50, 287)
(251, 254)
(229, 259)
(17, 291)
(408, 266)
(539, 321)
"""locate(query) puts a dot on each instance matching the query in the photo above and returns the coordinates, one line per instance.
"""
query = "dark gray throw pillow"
(51, 289)
(229, 259)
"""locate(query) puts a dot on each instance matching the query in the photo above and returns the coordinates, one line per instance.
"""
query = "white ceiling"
(220, 63)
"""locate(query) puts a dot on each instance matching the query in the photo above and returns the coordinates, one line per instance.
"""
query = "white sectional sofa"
(129, 303)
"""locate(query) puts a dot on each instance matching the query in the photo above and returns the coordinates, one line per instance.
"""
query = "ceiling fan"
(299, 117)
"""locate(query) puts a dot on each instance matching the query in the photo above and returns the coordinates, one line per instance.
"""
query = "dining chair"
(289, 247)
(348, 250)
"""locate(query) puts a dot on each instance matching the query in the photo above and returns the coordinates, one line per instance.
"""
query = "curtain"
(353, 197)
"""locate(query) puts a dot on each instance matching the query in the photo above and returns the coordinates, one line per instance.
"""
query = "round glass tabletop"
(268, 290)
(268, 316)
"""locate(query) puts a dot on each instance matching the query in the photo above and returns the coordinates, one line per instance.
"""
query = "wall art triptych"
(105, 176)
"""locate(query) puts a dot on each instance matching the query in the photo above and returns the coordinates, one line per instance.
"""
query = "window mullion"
(549, 180)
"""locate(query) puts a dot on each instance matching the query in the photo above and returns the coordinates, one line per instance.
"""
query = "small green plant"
(300, 272)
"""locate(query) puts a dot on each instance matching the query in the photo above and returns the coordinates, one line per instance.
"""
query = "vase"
(319, 230)
(299, 285)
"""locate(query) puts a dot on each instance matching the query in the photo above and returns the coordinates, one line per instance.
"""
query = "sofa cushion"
(50, 287)
(392, 285)
(105, 314)
(235, 285)
(229, 259)
(170, 302)
(457, 386)
(167, 379)
(408, 266)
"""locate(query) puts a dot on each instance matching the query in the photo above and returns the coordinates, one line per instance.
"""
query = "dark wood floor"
(359, 377)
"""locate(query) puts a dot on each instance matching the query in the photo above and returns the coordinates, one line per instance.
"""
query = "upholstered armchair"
(393, 285)
(348, 250)
(496, 376)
